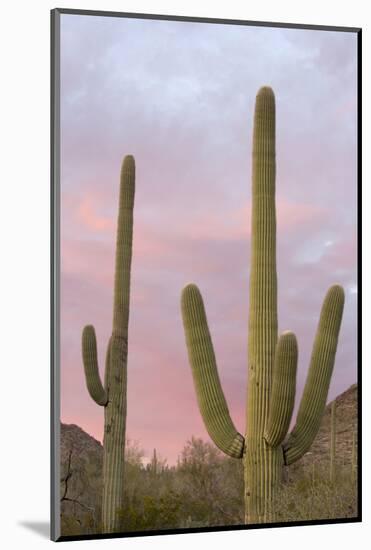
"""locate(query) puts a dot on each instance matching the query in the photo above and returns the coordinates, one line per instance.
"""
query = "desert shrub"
(312, 496)
(210, 484)
(151, 512)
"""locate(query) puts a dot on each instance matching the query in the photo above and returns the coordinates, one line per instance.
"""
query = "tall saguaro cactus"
(272, 361)
(112, 394)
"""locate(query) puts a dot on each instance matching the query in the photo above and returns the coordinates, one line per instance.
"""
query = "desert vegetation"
(205, 487)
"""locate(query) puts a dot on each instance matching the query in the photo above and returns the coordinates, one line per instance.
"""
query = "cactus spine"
(333, 442)
(112, 395)
(272, 362)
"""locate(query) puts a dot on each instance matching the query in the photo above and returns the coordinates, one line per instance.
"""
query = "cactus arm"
(283, 389)
(90, 360)
(318, 380)
(211, 400)
(124, 241)
(107, 368)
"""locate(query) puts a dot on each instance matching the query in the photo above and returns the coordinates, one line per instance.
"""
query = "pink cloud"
(148, 244)
(81, 258)
(236, 224)
(343, 253)
(211, 226)
(291, 215)
(87, 215)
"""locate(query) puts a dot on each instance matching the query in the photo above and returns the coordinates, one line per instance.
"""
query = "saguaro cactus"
(112, 395)
(272, 363)
(154, 465)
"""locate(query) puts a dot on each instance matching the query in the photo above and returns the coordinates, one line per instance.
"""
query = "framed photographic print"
(205, 282)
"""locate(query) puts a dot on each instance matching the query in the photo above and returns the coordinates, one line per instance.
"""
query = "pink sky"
(180, 98)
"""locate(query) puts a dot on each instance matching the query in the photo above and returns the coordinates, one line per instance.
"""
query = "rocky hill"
(346, 429)
(81, 473)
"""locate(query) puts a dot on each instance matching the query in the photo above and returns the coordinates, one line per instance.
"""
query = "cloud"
(88, 216)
